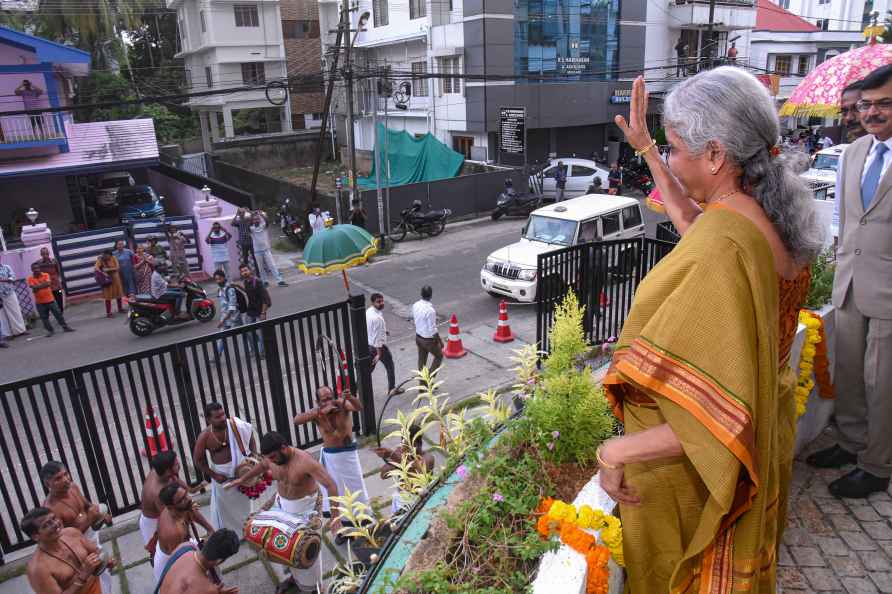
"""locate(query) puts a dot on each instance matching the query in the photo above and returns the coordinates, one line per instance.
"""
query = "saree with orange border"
(699, 350)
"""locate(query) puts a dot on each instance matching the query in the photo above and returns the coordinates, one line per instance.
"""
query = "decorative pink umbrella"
(818, 93)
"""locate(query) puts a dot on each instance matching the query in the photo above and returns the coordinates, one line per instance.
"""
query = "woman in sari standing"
(703, 470)
(143, 265)
(108, 264)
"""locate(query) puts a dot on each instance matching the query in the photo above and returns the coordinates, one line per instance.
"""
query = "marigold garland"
(562, 519)
(813, 360)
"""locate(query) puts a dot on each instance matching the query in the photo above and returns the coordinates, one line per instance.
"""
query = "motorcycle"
(147, 314)
(638, 178)
(511, 202)
(432, 222)
(291, 227)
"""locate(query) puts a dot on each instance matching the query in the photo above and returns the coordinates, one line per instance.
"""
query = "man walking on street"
(260, 240)
(219, 450)
(427, 339)
(258, 304)
(51, 267)
(376, 328)
(615, 178)
(230, 316)
(218, 238)
(12, 323)
(862, 295)
(46, 303)
(560, 181)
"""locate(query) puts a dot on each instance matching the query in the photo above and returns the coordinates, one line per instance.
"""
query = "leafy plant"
(359, 515)
(527, 370)
(496, 411)
(566, 337)
(821, 288)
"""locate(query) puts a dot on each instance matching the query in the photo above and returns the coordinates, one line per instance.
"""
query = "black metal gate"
(94, 418)
(604, 276)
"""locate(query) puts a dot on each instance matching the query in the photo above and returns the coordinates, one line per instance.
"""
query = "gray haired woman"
(699, 375)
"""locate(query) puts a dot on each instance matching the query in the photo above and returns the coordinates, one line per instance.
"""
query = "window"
(300, 29)
(380, 13)
(463, 145)
(253, 73)
(208, 76)
(782, 65)
(181, 26)
(419, 83)
(785, 4)
(823, 24)
(450, 85)
(204, 25)
(581, 171)
(804, 62)
(631, 217)
(417, 9)
(587, 231)
(610, 224)
(246, 15)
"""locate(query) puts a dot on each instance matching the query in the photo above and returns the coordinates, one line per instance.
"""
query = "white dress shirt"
(376, 327)
(871, 155)
(425, 319)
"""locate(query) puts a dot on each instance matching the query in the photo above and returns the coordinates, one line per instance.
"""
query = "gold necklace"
(723, 196)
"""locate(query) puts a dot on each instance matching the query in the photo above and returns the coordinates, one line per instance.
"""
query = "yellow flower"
(586, 515)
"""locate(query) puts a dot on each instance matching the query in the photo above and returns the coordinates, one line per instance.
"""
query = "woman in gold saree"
(702, 472)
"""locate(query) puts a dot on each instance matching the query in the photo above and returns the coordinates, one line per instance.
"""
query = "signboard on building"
(512, 124)
(573, 65)
(621, 96)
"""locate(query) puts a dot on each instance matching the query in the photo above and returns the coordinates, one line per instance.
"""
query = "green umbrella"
(337, 248)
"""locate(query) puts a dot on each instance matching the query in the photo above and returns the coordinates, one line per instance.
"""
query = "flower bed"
(485, 524)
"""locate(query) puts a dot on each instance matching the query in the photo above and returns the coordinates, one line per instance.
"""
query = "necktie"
(874, 173)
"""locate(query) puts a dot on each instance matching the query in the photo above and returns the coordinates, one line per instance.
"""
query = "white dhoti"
(147, 528)
(229, 507)
(105, 578)
(161, 561)
(343, 466)
(304, 508)
(11, 321)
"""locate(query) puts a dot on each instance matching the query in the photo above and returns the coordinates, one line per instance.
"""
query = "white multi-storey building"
(233, 44)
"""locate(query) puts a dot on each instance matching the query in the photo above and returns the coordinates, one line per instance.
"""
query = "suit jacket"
(864, 255)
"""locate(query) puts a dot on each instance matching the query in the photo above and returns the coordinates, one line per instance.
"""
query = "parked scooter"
(511, 202)
(148, 314)
(432, 222)
(291, 226)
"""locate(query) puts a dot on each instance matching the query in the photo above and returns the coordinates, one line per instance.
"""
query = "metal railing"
(604, 276)
(97, 419)
(31, 128)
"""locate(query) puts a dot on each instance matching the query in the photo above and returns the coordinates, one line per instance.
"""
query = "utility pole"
(380, 192)
(709, 33)
(351, 131)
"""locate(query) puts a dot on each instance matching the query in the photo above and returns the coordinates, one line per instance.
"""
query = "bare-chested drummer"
(70, 506)
(165, 469)
(340, 454)
(65, 562)
(190, 571)
(299, 478)
(175, 526)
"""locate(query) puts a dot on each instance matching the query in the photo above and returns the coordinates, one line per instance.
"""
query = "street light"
(32, 215)
(207, 192)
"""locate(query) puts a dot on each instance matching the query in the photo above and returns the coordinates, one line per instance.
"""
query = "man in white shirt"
(427, 339)
(862, 295)
(265, 263)
(316, 220)
(377, 331)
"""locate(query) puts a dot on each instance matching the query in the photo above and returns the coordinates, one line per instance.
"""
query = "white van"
(824, 166)
(511, 270)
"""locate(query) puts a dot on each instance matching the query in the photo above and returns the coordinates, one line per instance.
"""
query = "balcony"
(729, 14)
(27, 131)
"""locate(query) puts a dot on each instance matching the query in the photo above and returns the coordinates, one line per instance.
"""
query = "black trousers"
(386, 359)
(60, 299)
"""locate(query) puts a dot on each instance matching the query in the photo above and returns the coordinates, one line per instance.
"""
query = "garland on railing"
(559, 518)
(813, 360)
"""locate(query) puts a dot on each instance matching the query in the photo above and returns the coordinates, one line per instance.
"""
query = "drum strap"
(238, 438)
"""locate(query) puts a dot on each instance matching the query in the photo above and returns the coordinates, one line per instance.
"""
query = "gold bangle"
(652, 144)
(601, 461)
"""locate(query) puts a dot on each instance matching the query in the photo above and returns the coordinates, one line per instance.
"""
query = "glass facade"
(569, 40)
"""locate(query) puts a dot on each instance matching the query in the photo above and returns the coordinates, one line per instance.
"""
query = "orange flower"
(544, 505)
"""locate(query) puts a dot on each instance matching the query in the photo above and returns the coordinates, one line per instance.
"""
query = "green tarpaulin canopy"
(413, 160)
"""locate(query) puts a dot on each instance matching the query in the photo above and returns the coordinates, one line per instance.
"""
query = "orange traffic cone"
(156, 439)
(454, 347)
(503, 332)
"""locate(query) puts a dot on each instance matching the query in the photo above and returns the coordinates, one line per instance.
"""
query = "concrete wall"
(273, 152)
(46, 194)
(268, 191)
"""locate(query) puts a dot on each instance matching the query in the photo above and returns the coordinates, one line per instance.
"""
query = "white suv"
(511, 270)
(824, 166)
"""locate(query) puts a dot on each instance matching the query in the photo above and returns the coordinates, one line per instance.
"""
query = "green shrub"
(566, 338)
(821, 288)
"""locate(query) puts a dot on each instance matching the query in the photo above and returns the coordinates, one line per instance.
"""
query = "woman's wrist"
(607, 455)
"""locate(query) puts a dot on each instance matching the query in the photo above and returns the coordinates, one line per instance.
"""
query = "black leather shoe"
(832, 457)
(858, 484)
